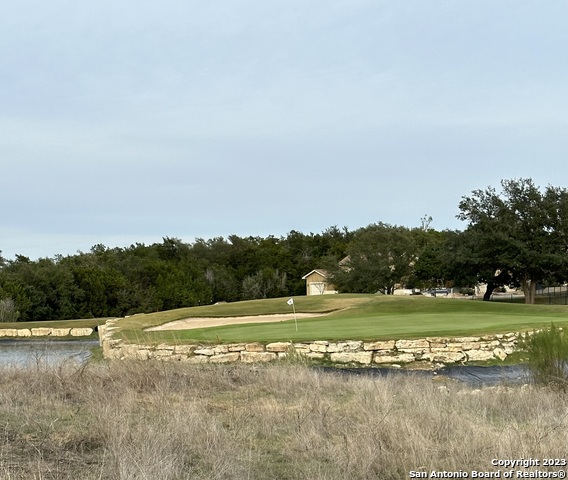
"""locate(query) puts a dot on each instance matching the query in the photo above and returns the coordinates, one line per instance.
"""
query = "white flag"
(290, 302)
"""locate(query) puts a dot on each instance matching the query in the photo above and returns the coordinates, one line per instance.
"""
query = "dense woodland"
(516, 237)
(144, 278)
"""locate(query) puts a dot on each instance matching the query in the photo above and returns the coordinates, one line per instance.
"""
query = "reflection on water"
(26, 353)
(472, 375)
(484, 376)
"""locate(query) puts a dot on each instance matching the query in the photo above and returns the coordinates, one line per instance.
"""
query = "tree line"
(517, 237)
(109, 282)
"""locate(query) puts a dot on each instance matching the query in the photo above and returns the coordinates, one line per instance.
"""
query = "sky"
(126, 122)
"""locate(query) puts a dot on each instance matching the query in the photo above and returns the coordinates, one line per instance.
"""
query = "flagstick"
(295, 319)
(291, 302)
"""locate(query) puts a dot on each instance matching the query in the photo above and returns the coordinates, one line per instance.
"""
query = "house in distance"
(317, 282)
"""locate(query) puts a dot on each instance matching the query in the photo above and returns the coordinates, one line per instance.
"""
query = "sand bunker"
(190, 323)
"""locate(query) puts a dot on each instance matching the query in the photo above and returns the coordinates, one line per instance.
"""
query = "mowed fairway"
(350, 317)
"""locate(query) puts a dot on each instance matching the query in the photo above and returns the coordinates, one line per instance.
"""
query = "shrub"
(294, 357)
(548, 356)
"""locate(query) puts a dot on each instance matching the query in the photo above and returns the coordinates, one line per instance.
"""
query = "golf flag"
(291, 302)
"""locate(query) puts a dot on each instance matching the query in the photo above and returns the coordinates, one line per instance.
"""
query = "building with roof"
(318, 282)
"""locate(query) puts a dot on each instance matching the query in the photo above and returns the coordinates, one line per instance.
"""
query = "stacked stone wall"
(435, 350)
(45, 332)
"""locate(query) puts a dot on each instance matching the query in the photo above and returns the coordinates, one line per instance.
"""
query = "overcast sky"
(129, 121)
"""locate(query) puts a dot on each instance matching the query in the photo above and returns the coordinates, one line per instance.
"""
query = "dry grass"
(160, 421)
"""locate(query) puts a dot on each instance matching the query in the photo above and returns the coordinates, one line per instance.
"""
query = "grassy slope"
(353, 317)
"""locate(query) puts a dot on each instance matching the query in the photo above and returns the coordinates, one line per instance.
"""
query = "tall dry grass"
(157, 421)
(548, 356)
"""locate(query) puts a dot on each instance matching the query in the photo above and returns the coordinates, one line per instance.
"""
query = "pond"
(476, 376)
(29, 353)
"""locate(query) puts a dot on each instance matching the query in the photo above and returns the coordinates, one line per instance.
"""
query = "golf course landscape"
(344, 317)
(166, 420)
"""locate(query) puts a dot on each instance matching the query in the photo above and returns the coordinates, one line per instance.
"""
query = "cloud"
(180, 118)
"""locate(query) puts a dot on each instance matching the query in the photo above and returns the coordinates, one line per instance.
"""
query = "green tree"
(223, 283)
(41, 290)
(518, 235)
(98, 284)
(380, 256)
(445, 259)
(431, 267)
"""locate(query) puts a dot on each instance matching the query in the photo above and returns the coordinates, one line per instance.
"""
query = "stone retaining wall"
(45, 332)
(432, 349)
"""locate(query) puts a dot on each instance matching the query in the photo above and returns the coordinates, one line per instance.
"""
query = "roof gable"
(320, 271)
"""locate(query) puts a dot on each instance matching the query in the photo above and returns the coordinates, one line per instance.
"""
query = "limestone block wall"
(431, 349)
(45, 332)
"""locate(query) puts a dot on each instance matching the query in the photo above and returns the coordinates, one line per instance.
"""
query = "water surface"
(29, 353)
(470, 374)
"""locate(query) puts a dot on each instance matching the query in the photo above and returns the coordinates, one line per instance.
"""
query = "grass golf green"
(348, 317)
